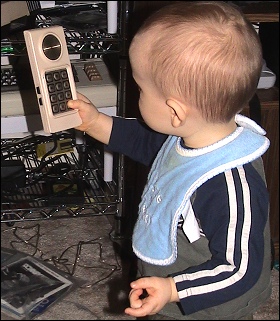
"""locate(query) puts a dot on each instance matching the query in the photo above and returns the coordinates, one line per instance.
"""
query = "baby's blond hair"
(204, 53)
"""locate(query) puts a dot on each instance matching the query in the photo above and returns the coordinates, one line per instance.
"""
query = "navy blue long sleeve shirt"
(224, 276)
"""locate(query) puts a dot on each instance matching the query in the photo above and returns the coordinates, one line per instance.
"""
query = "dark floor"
(104, 270)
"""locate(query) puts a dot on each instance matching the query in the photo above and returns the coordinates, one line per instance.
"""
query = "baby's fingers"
(134, 298)
(82, 97)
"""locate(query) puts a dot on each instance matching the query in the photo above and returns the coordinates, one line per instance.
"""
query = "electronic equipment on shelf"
(101, 89)
(19, 108)
(8, 79)
(93, 79)
(21, 117)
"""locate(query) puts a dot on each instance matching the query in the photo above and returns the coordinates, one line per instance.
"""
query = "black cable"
(22, 147)
(43, 161)
(33, 197)
(26, 145)
(62, 261)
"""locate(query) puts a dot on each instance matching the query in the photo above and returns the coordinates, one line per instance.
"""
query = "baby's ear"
(178, 111)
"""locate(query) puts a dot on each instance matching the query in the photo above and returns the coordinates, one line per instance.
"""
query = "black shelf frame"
(107, 199)
(32, 201)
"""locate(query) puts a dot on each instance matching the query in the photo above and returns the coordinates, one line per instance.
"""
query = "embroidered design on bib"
(155, 233)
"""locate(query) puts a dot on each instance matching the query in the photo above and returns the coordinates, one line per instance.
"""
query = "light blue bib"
(175, 175)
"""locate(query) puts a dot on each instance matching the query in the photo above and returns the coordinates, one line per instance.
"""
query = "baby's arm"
(94, 123)
(159, 292)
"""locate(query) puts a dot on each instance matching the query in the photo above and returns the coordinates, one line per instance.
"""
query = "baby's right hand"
(87, 111)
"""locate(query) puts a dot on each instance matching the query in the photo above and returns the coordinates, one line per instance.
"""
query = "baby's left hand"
(159, 292)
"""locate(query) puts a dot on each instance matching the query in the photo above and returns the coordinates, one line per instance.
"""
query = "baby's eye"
(139, 89)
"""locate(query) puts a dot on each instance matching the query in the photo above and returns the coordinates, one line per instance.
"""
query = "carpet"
(83, 247)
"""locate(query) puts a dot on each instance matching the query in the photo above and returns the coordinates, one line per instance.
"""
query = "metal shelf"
(77, 43)
(99, 197)
(36, 201)
(95, 42)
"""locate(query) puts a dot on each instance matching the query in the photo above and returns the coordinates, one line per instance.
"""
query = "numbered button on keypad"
(59, 90)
